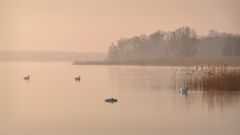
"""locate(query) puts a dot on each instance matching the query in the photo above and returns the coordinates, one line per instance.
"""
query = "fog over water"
(50, 56)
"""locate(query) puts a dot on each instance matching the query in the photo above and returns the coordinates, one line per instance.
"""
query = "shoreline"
(169, 62)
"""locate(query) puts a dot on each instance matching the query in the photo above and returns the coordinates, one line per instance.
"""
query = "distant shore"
(50, 56)
(231, 61)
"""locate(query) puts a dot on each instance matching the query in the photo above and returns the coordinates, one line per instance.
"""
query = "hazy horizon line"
(51, 51)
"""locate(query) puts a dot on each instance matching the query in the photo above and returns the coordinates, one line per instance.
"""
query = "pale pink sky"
(91, 25)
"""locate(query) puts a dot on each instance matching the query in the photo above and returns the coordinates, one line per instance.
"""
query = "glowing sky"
(91, 25)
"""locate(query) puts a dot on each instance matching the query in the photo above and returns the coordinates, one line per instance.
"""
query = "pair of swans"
(28, 78)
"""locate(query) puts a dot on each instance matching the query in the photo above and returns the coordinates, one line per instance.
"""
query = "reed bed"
(221, 78)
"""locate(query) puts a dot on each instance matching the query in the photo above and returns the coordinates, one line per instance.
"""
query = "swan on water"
(184, 91)
(77, 78)
(27, 77)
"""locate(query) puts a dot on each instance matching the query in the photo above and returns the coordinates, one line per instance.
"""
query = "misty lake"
(53, 103)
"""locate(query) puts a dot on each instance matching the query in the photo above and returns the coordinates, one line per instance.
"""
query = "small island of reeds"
(207, 78)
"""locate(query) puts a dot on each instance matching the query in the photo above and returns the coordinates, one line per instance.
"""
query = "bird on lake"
(184, 91)
(77, 78)
(27, 77)
(111, 100)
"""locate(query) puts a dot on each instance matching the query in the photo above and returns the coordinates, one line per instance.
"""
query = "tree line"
(182, 42)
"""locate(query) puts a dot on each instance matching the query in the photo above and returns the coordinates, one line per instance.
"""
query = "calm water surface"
(52, 103)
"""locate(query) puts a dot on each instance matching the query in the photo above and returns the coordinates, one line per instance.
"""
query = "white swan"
(184, 91)
(77, 78)
(27, 77)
